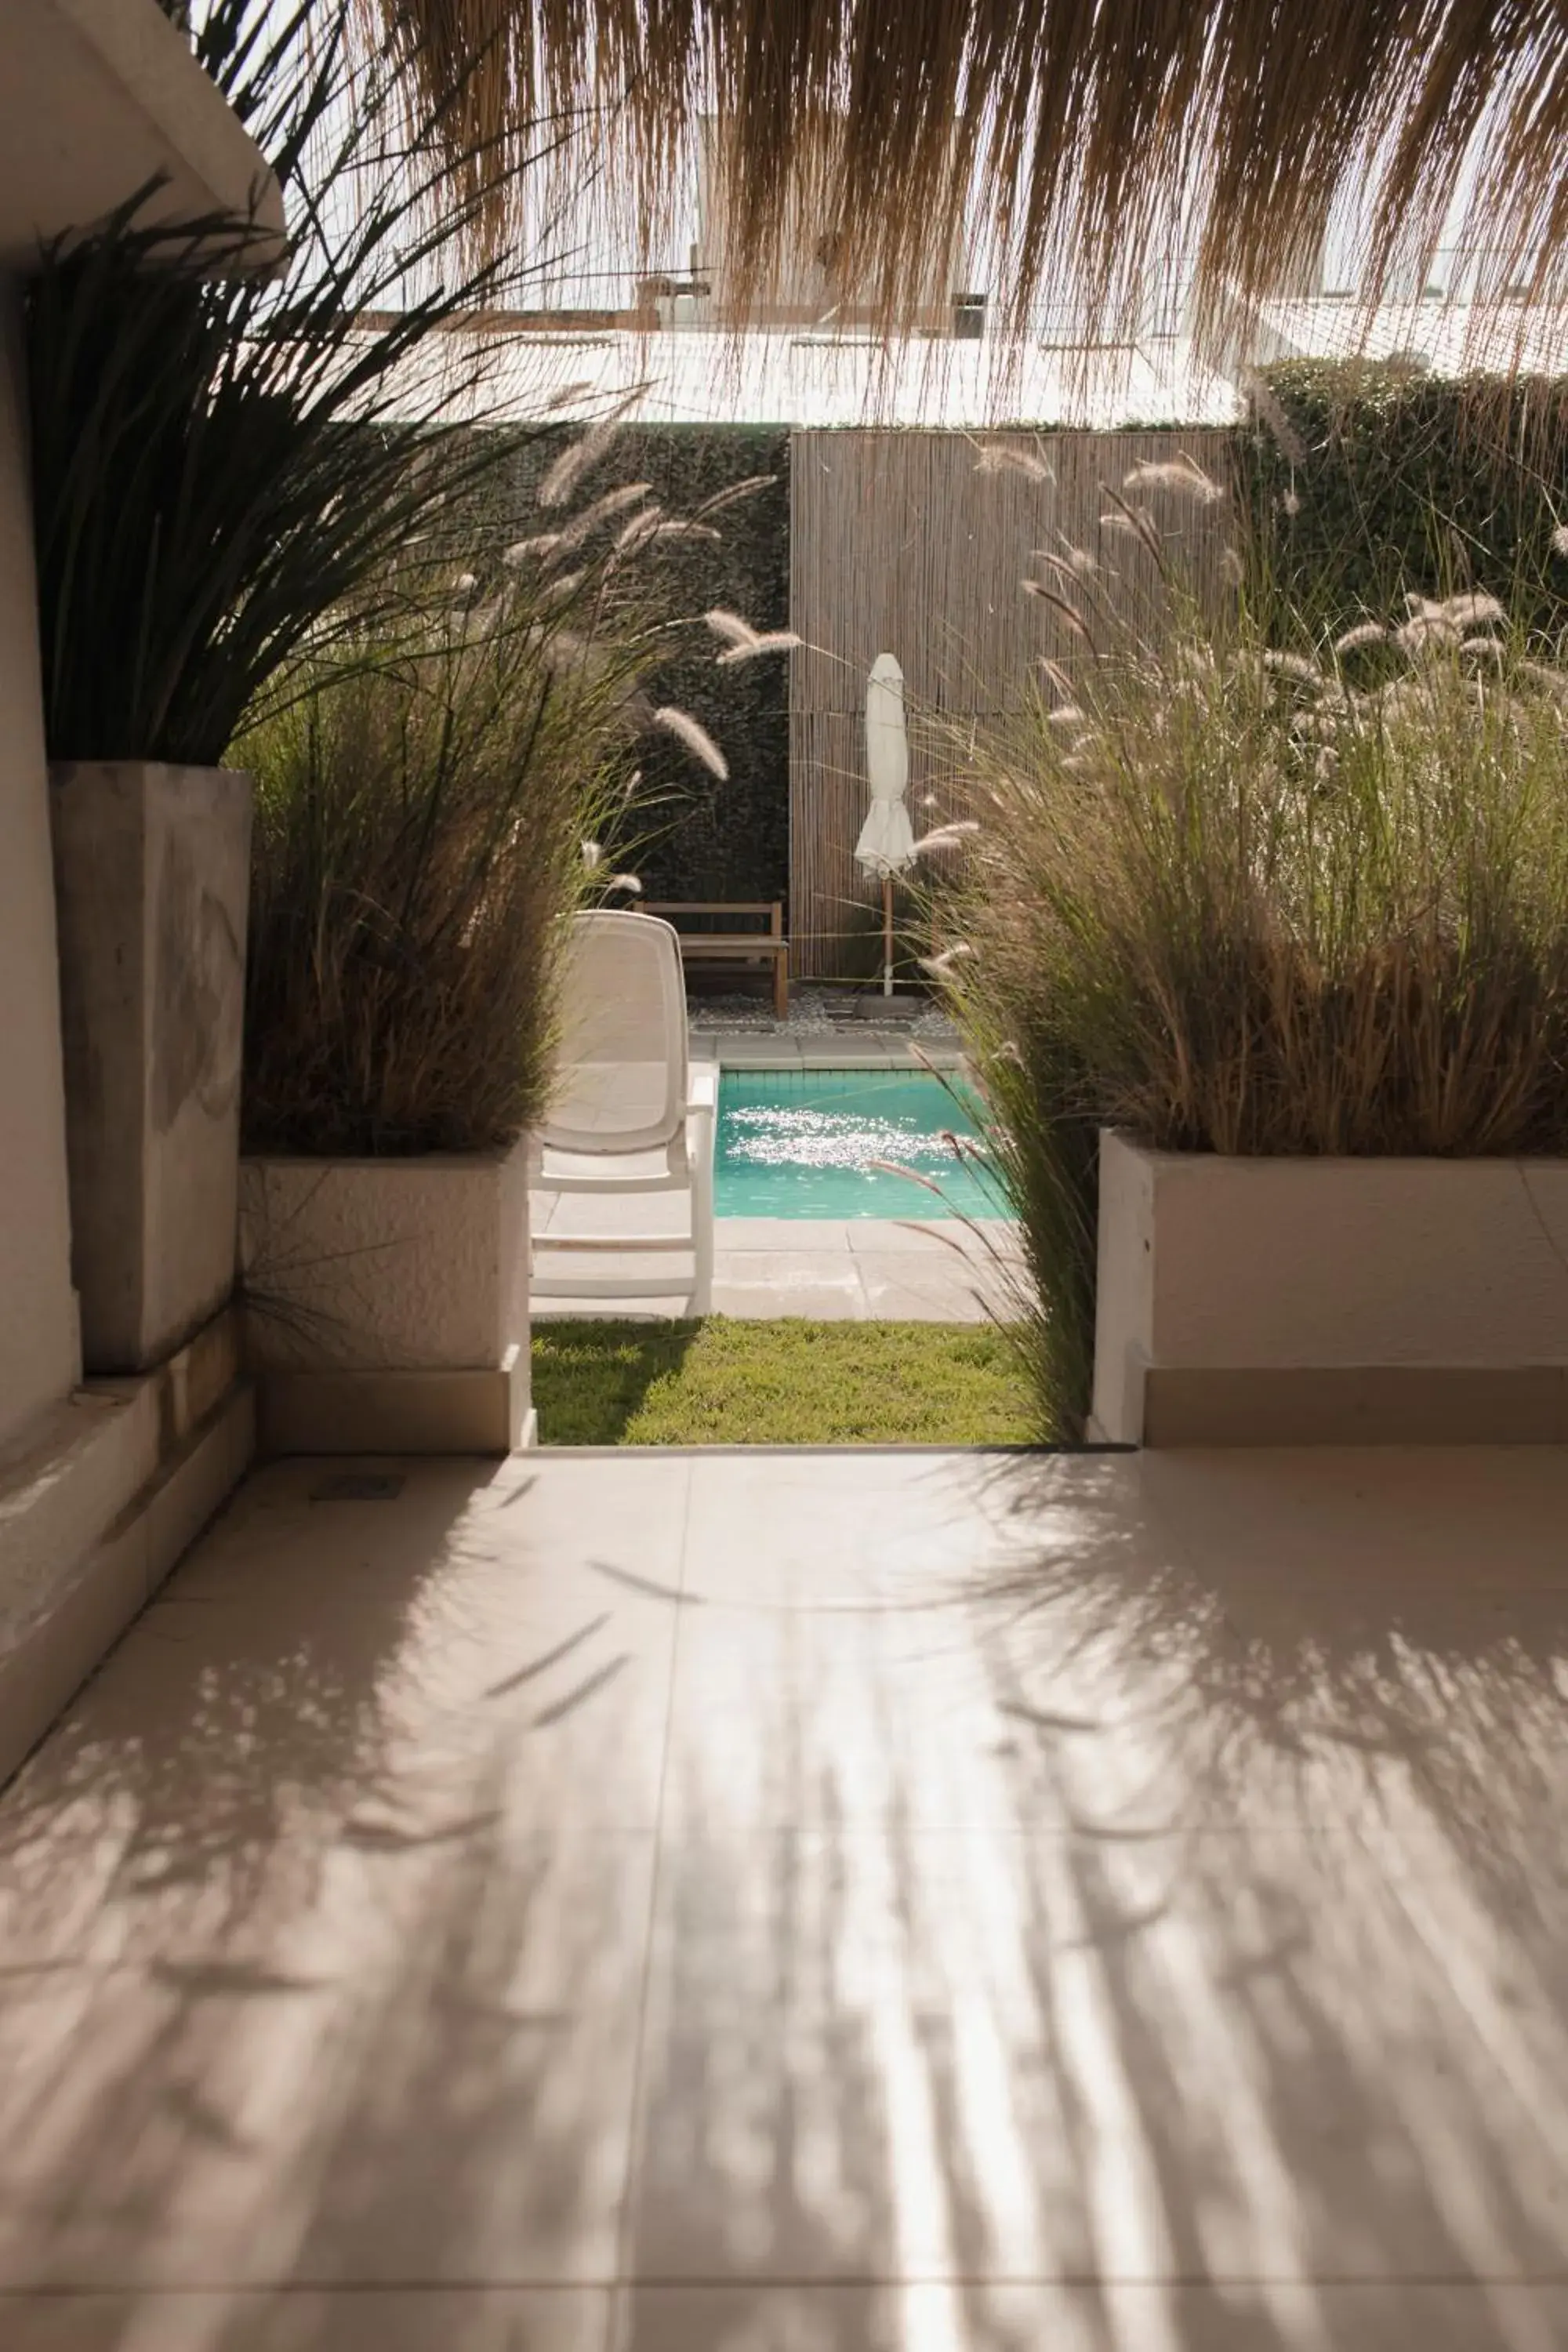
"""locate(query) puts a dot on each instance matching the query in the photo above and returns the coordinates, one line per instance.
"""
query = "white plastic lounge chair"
(632, 1114)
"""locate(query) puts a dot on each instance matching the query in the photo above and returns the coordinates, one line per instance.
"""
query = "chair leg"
(701, 1166)
(780, 987)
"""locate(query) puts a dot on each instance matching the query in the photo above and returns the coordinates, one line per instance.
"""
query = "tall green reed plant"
(230, 446)
(1239, 900)
(437, 791)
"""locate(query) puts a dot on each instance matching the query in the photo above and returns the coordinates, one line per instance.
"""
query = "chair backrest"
(621, 1080)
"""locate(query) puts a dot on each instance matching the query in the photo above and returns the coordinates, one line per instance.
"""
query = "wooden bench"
(734, 946)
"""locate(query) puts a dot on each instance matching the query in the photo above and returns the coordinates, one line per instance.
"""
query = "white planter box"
(1324, 1301)
(153, 886)
(386, 1302)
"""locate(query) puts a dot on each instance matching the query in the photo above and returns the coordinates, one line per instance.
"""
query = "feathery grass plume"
(1491, 648)
(732, 495)
(1231, 925)
(532, 550)
(1061, 570)
(630, 883)
(1298, 668)
(938, 966)
(1427, 633)
(428, 805)
(1559, 539)
(1181, 475)
(582, 525)
(696, 738)
(945, 836)
(1069, 615)
(1365, 633)
(1067, 714)
(1267, 407)
(1004, 457)
(1472, 612)
(772, 640)
(730, 627)
(1232, 569)
(1057, 677)
(583, 454)
(683, 527)
(1137, 520)
(1079, 560)
(641, 526)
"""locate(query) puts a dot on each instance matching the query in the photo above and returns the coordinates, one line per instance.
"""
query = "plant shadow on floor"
(1144, 1874)
(1175, 1909)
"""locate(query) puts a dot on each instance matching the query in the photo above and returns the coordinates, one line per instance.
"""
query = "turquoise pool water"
(795, 1143)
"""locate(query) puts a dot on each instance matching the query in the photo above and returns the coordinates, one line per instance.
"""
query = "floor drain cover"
(358, 1486)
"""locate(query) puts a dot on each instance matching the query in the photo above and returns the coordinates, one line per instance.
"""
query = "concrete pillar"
(38, 1353)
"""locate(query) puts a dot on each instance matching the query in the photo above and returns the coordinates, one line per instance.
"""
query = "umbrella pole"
(887, 935)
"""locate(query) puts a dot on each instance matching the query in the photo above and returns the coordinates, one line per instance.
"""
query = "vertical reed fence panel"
(916, 543)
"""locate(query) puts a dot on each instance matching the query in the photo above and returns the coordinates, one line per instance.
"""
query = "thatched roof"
(1066, 136)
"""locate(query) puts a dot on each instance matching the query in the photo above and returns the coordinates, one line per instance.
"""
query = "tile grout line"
(622, 2274)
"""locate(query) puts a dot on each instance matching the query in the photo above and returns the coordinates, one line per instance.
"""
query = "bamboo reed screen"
(909, 543)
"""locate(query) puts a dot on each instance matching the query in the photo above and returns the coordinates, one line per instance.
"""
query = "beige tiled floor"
(881, 1903)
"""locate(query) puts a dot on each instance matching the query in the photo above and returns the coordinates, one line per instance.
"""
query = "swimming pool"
(795, 1143)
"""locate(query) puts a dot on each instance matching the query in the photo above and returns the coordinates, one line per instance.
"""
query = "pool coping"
(743, 1052)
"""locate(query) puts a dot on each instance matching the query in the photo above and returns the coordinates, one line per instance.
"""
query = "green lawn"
(719, 1382)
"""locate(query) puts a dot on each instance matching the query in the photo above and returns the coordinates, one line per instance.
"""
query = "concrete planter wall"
(386, 1302)
(152, 885)
(1326, 1301)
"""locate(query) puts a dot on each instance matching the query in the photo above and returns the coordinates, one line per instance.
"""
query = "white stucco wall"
(392, 1264)
(37, 1312)
(1323, 1265)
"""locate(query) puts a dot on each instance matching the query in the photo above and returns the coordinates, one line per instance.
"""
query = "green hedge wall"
(698, 838)
(1361, 483)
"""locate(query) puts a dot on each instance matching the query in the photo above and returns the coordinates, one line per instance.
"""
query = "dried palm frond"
(1088, 132)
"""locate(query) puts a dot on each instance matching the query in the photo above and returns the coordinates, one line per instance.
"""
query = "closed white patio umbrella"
(887, 843)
